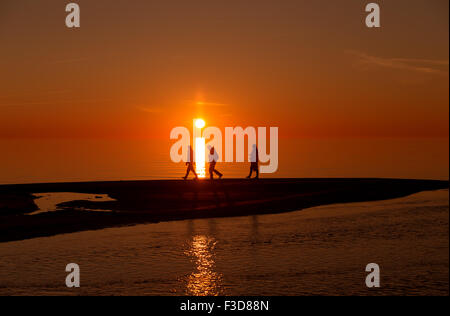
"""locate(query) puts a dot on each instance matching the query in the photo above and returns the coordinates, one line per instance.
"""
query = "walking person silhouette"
(213, 158)
(254, 159)
(191, 164)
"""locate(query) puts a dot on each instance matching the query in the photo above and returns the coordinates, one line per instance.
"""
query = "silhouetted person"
(213, 158)
(254, 165)
(191, 164)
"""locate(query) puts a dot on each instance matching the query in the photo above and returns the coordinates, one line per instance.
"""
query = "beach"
(138, 202)
(317, 251)
(242, 149)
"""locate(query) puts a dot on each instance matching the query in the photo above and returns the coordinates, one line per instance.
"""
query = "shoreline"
(141, 202)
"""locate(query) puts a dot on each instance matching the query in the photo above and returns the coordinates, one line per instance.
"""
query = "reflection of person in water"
(254, 159)
(191, 164)
(213, 158)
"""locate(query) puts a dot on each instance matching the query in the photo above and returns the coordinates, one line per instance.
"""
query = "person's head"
(211, 151)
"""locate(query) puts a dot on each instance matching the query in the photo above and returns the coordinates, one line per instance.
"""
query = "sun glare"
(200, 157)
(200, 150)
(199, 123)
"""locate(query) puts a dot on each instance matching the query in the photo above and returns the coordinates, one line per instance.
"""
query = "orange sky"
(136, 69)
(99, 102)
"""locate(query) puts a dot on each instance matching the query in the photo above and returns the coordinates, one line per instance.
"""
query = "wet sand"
(137, 202)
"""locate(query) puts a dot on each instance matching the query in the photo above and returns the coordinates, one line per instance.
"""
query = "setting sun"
(199, 123)
(243, 149)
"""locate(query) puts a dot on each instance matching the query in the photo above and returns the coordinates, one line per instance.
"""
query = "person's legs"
(218, 173)
(193, 171)
(187, 172)
(253, 167)
(251, 171)
(189, 169)
(212, 166)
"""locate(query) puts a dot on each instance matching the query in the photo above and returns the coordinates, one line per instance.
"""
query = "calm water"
(70, 160)
(323, 250)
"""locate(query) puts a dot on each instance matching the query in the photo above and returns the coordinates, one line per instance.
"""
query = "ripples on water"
(323, 250)
(204, 280)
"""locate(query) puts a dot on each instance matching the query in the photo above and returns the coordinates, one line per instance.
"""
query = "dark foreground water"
(323, 250)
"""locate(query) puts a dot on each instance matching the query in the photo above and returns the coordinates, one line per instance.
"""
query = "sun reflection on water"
(204, 281)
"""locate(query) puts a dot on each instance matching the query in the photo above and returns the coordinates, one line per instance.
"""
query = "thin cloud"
(52, 102)
(211, 104)
(206, 103)
(150, 109)
(425, 66)
(26, 103)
